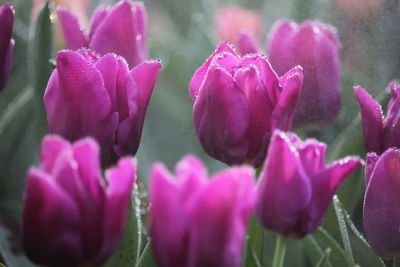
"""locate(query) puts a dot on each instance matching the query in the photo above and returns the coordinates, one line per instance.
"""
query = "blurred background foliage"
(182, 35)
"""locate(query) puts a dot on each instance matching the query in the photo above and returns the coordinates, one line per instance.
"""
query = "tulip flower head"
(379, 132)
(121, 29)
(296, 186)
(238, 102)
(6, 43)
(382, 202)
(71, 215)
(314, 46)
(199, 222)
(88, 95)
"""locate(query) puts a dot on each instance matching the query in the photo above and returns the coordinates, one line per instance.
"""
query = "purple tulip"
(314, 46)
(199, 222)
(6, 43)
(71, 215)
(238, 102)
(296, 186)
(100, 97)
(246, 43)
(379, 133)
(121, 29)
(382, 203)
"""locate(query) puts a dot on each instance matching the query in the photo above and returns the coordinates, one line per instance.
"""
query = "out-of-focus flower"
(238, 102)
(78, 7)
(88, 95)
(360, 8)
(121, 29)
(296, 186)
(314, 46)
(231, 20)
(71, 216)
(199, 222)
(6, 43)
(382, 202)
(379, 133)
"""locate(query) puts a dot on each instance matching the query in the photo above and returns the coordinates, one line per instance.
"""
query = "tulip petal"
(391, 129)
(291, 84)
(382, 197)
(6, 43)
(312, 155)
(168, 220)
(246, 43)
(51, 221)
(73, 35)
(325, 184)
(201, 72)
(372, 120)
(119, 33)
(219, 219)
(120, 184)
(283, 193)
(97, 18)
(370, 163)
(221, 117)
(52, 146)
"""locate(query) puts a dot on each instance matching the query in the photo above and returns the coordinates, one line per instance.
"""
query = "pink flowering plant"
(192, 133)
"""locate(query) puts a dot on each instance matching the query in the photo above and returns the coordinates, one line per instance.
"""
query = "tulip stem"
(280, 250)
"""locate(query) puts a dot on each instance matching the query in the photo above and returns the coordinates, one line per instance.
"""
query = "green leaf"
(326, 241)
(255, 244)
(40, 52)
(324, 259)
(146, 259)
(313, 250)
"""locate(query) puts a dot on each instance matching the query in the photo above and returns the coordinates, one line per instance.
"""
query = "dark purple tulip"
(100, 97)
(71, 215)
(379, 133)
(121, 29)
(314, 46)
(382, 202)
(296, 185)
(196, 222)
(6, 43)
(238, 102)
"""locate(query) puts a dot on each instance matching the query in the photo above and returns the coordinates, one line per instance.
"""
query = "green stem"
(396, 262)
(280, 250)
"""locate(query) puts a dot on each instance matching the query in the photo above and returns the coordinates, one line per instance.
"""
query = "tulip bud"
(121, 29)
(292, 200)
(96, 96)
(6, 43)
(379, 133)
(382, 203)
(238, 102)
(71, 215)
(314, 46)
(199, 222)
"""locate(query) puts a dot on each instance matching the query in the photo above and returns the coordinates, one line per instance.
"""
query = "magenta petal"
(283, 193)
(381, 206)
(372, 120)
(219, 219)
(73, 35)
(312, 155)
(370, 162)
(52, 146)
(119, 33)
(6, 43)
(201, 72)
(51, 221)
(291, 84)
(325, 185)
(391, 129)
(99, 14)
(168, 221)
(221, 117)
(120, 184)
(246, 43)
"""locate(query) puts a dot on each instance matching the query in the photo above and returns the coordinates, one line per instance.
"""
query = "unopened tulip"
(6, 43)
(121, 29)
(196, 222)
(71, 215)
(382, 202)
(379, 133)
(314, 46)
(88, 95)
(238, 102)
(296, 186)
